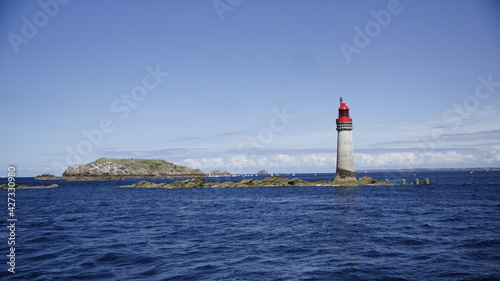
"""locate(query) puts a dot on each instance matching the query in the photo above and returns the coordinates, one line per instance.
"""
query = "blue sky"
(249, 85)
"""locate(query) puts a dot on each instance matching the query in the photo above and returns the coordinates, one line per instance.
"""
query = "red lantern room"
(343, 113)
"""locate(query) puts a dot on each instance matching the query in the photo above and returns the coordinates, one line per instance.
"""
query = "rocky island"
(46, 177)
(269, 181)
(117, 169)
(219, 173)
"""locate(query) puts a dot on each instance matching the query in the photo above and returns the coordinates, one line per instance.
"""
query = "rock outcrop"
(46, 177)
(112, 169)
(193, 183)
(219, 173)
(4, 186)
(196, 182)
(366, 180)
(269, 181)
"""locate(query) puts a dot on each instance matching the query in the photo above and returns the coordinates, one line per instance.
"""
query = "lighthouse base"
(345, 177)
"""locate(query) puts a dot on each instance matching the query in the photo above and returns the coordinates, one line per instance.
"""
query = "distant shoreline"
(429, 170)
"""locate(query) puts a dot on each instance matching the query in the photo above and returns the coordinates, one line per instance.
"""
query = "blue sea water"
(448, 230)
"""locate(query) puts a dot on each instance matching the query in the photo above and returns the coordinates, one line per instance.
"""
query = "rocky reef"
(269, 181)
(46, 177)
(4, 186)
(345, 177)
(192, 183)
(116, 169)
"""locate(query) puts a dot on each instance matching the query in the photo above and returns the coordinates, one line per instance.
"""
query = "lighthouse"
(345, 157)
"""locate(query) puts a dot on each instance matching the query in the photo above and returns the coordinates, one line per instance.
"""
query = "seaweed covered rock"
(269, 181)
(189, 183)
(4, 186)
(366, 180)
(196, 182)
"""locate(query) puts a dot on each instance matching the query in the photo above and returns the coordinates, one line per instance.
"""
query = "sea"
(97, 230)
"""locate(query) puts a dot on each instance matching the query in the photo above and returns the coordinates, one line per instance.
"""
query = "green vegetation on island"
(115, 169)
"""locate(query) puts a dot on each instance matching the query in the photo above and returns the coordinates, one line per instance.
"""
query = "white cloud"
(284, 160)
(322, 162)
(192, 163)
(493, 157)
(242, 161)
(204, 162)
(412, 159)
(320, 159)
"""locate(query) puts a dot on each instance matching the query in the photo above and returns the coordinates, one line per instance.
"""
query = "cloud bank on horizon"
(249, 85)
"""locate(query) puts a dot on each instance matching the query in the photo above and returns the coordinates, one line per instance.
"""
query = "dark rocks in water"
(46, 177)
(117, 169)
(147, 184)
(281, 181)
(366, 180)
(345, 181)
(193, 183)
(278, 181)
(269, 181)
(345, 177)
(4, 186)
(196, 182)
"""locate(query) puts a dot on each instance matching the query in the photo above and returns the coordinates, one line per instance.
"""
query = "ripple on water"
(367, 233)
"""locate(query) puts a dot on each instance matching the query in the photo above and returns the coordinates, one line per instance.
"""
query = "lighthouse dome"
(343, 107)
(343, 113)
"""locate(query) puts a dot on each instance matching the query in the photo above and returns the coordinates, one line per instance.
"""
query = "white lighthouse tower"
(345, 157)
